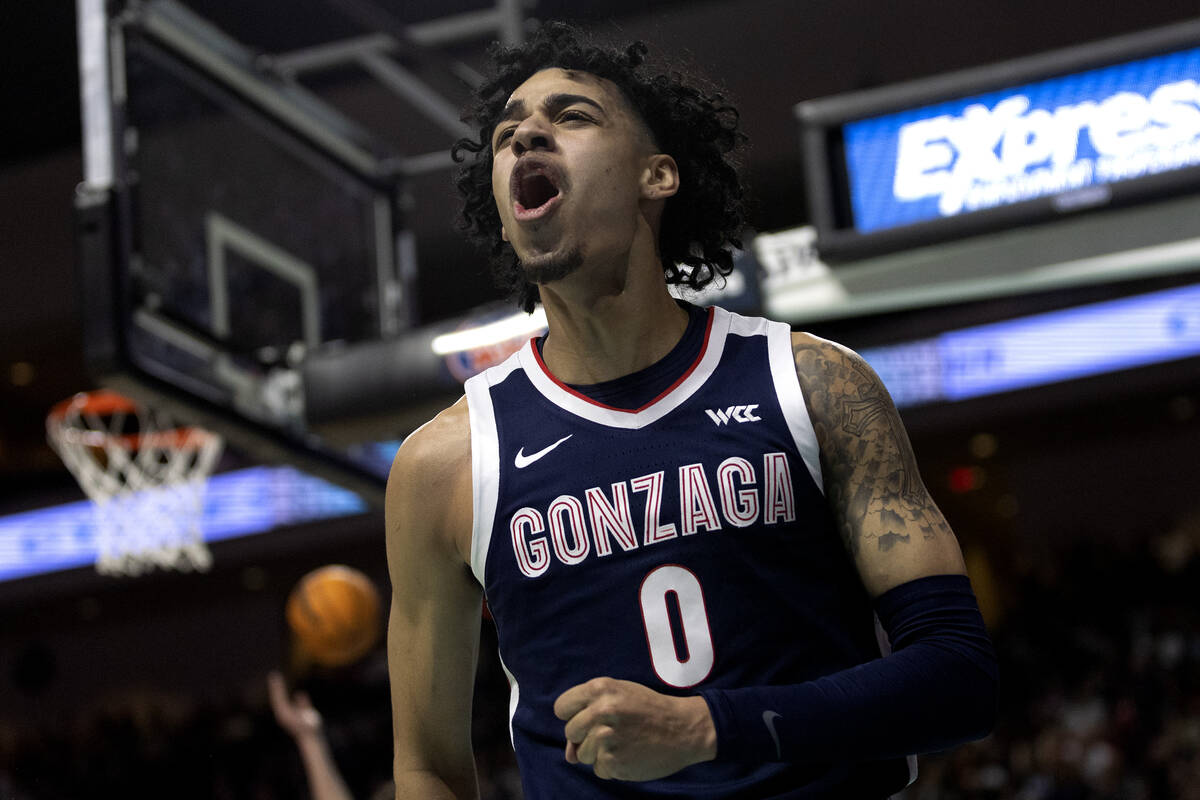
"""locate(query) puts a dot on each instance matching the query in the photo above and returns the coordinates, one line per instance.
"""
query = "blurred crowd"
(1100, 682)
(1100, 659)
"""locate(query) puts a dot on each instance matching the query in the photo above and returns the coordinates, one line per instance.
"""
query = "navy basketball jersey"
(682, 545)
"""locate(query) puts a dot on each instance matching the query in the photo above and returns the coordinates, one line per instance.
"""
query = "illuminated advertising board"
(239, 503)
(1011, 144)
(1041, 349)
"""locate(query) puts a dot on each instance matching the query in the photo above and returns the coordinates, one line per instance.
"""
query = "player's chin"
(547, 267)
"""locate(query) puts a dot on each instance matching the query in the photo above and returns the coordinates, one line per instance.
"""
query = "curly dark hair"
(696, 126)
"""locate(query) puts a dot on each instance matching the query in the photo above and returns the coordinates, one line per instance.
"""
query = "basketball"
(334, 614)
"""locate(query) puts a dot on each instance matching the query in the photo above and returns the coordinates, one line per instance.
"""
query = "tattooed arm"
(938, 686)
(890, 524)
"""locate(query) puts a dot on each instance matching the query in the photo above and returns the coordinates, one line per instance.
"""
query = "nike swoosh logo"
(522, 461)
(769, 720)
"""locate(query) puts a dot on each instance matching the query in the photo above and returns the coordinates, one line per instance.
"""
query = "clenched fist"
(633, 733)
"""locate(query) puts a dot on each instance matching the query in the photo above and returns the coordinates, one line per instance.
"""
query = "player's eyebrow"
(553, 102)
(557, 102)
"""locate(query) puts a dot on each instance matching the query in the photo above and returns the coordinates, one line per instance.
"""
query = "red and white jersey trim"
(485, 461)
(576, 403)
(791, 398)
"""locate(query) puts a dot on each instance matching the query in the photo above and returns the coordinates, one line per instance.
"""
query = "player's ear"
(660, 178)
(503, 234)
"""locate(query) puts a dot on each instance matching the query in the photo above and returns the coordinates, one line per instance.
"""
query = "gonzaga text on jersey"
(579, 527)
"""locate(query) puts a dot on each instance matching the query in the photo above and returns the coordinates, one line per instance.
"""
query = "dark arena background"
(239, 214)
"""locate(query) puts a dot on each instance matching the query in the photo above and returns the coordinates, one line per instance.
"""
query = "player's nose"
(532, 134)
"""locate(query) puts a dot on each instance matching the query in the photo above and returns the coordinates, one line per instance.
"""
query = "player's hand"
(633, 733)
(295, 714)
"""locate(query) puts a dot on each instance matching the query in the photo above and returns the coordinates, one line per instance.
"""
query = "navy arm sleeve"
(937, 688)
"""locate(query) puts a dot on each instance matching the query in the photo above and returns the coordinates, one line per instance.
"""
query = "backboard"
(238, 231)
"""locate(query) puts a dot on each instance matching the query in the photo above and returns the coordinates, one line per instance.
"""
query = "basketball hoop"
(145, 476)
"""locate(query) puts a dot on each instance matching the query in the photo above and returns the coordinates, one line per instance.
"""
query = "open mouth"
(535, 191)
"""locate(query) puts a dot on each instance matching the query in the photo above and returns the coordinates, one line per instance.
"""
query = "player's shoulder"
(835, 381)
(428, 501)
(434, 455)
(822, 361)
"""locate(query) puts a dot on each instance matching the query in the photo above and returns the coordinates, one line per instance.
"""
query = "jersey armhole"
(791, 399)
(485, 470)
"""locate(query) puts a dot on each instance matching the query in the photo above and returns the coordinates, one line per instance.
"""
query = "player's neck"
(601, 336)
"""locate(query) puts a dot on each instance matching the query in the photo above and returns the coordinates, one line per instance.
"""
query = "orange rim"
(104, 402)
(98, 402)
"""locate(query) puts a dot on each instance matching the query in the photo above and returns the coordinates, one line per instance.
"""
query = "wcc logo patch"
(723, 416)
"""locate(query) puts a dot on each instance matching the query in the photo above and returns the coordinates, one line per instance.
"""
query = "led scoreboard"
(1015, 143)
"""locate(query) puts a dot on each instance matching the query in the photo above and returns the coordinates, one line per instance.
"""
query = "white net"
(145, 476)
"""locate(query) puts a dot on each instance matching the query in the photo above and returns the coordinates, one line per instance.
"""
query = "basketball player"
(686, 522)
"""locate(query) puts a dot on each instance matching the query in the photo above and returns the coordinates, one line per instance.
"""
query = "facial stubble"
(550, 267)
(521, 279)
